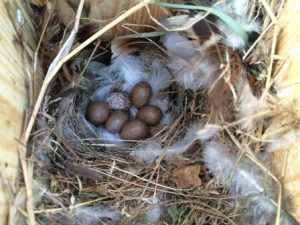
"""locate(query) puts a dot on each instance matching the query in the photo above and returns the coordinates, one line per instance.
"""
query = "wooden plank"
(288, 84)
(15, 64)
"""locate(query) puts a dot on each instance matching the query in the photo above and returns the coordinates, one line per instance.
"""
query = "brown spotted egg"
(118, 100)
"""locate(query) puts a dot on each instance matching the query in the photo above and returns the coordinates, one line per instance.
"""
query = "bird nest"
(201, 163)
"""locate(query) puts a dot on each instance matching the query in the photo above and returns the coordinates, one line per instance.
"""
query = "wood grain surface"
(288, 84)
(17, 41)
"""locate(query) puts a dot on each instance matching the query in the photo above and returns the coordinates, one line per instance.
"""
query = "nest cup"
(101, 159)
(82, 171)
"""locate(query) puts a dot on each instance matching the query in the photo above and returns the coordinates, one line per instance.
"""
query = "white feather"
(150, 151)
(133, 111)
(179, 47)
(131, 68)
(167, 119)
(196, 132)
(153, 214)
(100, 93)
(238, 10)
(234, 7)
(192, 74)
(190, 68)
(108, 137)
(160, 78)
(248, 106)
(162, 103)
(95, 215)
(244, 179)
(282, 141)
(230, 38)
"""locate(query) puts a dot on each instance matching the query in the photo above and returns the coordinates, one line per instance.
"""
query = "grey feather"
(244, 179)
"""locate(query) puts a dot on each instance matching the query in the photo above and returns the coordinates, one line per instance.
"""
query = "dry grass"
(80, 170)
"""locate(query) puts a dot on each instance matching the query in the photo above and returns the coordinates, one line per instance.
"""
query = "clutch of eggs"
(113, 113)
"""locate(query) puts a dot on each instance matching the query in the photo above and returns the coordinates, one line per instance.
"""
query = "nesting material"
(192, 68)
(239, 10)
(161, 128)
(245, 179)
(127, 98)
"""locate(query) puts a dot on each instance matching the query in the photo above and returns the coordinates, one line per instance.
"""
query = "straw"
(235, 26)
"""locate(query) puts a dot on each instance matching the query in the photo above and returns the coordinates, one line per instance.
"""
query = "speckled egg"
(150, 114)
(134, 130)
(97, 112)
(141, 94)
(118, 100)
(116, 121)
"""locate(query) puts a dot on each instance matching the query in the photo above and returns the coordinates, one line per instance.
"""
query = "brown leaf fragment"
(187, 176)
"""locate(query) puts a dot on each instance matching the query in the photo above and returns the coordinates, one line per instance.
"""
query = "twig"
(27, 167)
(269, 11)
(257, 41)
(60, 59)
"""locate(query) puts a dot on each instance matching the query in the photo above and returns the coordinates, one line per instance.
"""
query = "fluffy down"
(248, 106)
(108, 137)
(244, 179)
(131, 68)
(191, 68)
(150, 151)
(280, 142)
(238, 10)
(95, 215)
(160, 78)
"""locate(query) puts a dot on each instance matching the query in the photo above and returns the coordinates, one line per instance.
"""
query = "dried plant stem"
(257, 41)
(35, 61)
(60, 59)
(55, 210)
(252, 157)
(64, 57)
(273, 49)
(27, 166)
(269, 10)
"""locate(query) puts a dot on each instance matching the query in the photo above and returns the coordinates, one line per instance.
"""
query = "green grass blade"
(234, 25)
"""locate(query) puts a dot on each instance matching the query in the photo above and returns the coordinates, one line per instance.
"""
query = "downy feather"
(248, 106)
(150, 151)
(244, 179)
(162, 103)
(153, 214)
(190, 67)
(108, 137)
(238, 10)
(100, 93)
(131, 68)
(282, 141)
(96, 215)
(179, 46)
(160, 78)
